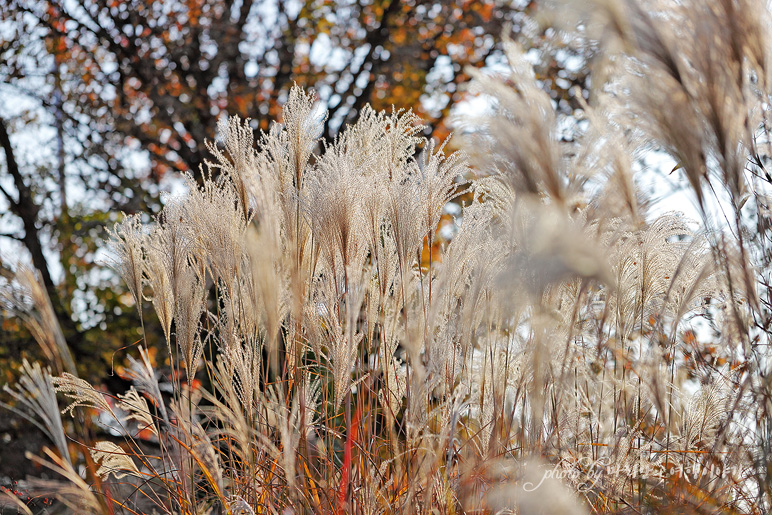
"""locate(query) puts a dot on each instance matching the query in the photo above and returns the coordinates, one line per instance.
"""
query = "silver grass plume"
(265, 245)
(184, 257)
(287, 416)
(175, 244)
(74, 492)
(159, 279)
(81, 393)
(27, 298)
(341, 336)
(238, 161)
(145, 380)
(113, 460)
(697, 85)
(333, 201)
(303, 128)
(136, 407)
(212, 212)
(531, 161)
(127, 244)
(705, 414)
(36, 401)
(436, 179)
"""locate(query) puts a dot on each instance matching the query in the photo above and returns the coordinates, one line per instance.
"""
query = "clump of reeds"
(325, 361)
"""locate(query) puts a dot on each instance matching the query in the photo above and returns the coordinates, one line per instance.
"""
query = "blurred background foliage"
(103, 101)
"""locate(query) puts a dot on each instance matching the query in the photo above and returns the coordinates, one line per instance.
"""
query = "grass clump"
(552, 357)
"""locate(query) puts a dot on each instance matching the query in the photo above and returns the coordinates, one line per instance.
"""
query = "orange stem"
(346, 472)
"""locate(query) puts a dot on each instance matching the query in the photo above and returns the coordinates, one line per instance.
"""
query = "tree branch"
(376, 37)
(10, 236)
(9, 198)
(27, 210)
